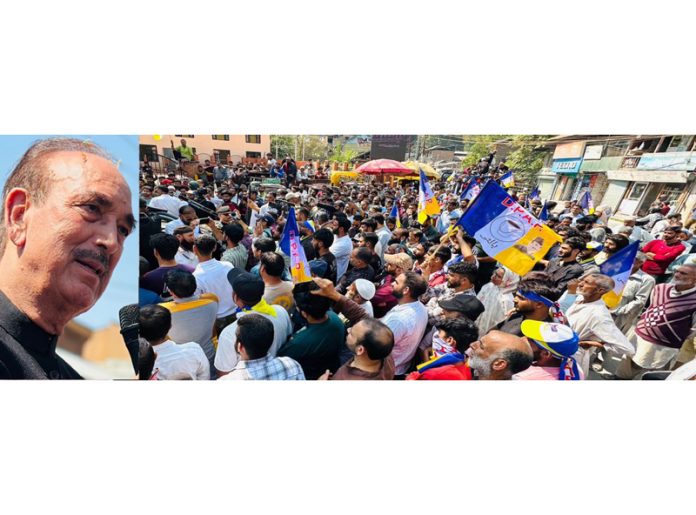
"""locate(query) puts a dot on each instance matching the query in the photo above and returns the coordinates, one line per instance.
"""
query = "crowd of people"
(392, 297)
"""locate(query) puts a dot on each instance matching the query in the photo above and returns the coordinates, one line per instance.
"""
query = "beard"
(481, 366)
(186, 245)
(398, 294)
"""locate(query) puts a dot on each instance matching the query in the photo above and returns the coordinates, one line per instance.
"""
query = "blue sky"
(123, 287)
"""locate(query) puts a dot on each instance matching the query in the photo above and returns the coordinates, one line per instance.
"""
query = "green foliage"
(480, 148)
(340, 155)
(282, 146)
(527, 158)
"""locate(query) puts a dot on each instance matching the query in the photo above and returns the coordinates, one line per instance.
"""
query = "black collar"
(22, 329)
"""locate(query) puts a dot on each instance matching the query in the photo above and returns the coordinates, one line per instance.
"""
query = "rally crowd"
(392, 297)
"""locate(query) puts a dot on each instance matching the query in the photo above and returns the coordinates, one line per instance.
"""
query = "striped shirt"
(267, 369)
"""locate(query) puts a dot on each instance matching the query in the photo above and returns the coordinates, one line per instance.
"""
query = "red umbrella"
(381, 166)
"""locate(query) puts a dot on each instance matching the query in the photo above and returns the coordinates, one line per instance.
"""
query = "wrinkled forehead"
(79, 174)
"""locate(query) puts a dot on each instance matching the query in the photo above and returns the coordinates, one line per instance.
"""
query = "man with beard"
(186, 217)
(532, 301)
(460, 281)
(342, 245)
(661, 253)
(669, 320)
(322, 241)
(589, 317)
(185, 255)
(407, 320)
(67, 212)
(384, 299)
(612, 244)
(565, 267)
(497, 356)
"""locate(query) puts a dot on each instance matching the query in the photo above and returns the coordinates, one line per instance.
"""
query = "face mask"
(441, 347)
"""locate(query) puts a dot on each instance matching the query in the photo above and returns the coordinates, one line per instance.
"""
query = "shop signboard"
(566, 166)
(668, 162)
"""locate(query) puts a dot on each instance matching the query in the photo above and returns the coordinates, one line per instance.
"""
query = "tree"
(527, 158)
(340, 155)
(481, 147)
(282, 146)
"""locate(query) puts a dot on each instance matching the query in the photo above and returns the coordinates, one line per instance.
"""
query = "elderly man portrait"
(66, 214)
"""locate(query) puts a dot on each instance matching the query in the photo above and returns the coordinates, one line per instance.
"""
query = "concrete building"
(624, 172)
(224, 147)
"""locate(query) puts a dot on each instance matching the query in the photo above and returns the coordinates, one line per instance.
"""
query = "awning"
(675, 177)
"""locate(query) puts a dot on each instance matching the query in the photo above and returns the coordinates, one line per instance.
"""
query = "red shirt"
(664, 255)
(458, 372)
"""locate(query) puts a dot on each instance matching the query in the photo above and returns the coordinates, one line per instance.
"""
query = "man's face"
(454, 280)
(226, 197)
(565, 251)
(610, 246)
(534, 247)
(399, 285)
(522, 304)
(73, 240)
(355, 334)
(188, 216)
(669, 236)
(587, 287)
(566, 222)
(354, 259)
(419, 251)
(685, 277)
(185, 240)
(183, 142)
(481, 355)
(576, 210)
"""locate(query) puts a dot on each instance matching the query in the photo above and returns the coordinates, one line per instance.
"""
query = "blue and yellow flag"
(506, 231)
(586, 202)
(290, 244)
(507, 180)
(395, 213)
(472, 189)
(427, 203)
(619, 267)
(544, 215)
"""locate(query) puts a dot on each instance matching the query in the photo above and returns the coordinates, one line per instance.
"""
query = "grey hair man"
(591, 320)
(66, 214)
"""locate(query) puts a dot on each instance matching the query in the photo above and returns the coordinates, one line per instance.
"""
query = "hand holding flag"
(427, 203)
(290, 244)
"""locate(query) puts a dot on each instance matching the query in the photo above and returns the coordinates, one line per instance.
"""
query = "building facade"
(625, 173)
(229, 148)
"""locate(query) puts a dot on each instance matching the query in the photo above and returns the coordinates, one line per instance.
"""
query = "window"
(637, 191)
(680, 143)
(221, 156)
(150, 151)
(184, 136)
(253, 154)
(221, 137)
(252, 139)
(616, 148)
(673, 193)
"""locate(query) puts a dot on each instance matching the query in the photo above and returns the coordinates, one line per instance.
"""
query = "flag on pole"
(544, 215)
(619, 267)
(290, 244)
(507, 180)
(472, 189)
(506, 231)
(586, 202)
(535, 194)
(427, 203)
(395, 213)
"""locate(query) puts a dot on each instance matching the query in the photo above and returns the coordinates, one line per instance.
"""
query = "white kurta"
(592, 321)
